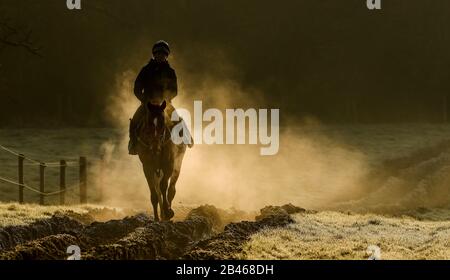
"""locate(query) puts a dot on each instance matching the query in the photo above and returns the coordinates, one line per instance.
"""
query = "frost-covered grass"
(380, 142)
(334, 235)
(13, 214)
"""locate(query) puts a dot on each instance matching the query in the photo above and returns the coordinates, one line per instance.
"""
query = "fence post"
(101, 178)
(21, 181)
(42, 183)
(83, 180)
(62, 182)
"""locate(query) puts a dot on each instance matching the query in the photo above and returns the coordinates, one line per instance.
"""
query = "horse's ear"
(163, 105)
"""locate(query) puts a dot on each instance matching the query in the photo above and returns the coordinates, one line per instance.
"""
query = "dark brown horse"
(160, 157)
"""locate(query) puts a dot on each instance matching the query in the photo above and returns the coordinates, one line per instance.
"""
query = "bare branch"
(13, 37)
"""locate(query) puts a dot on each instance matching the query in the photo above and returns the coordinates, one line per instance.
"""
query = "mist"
(319, 62)
(304, 171)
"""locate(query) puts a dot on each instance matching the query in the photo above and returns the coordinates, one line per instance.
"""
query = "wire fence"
(34, 162)
(35, 190)
(62, 165)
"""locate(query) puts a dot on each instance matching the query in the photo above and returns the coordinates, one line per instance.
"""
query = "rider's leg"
(169, 111)
(137, 117)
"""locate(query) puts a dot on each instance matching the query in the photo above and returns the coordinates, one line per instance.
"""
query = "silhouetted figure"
(155, 83)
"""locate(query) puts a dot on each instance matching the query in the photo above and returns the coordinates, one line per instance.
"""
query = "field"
(334, 235)
(361, 185)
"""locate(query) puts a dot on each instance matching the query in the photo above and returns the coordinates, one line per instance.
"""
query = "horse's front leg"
(154, 199)
(165, 205)
(153, 184)
(179, 154)
(159, 193)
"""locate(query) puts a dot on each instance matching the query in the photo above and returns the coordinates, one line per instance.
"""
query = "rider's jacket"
(156, 81)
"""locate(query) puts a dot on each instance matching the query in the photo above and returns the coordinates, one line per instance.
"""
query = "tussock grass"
(334, 235)
(14, 214)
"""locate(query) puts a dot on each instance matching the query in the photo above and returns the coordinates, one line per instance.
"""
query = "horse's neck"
(145, 122)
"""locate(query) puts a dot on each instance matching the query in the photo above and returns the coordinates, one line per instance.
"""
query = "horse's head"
(154, 132)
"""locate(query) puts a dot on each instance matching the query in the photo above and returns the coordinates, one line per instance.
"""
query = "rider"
(156, 82)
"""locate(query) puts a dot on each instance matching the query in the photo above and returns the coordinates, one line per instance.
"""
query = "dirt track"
(205, 233)
(227, 244)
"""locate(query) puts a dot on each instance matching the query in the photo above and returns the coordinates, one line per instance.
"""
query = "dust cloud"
(310, 172)
(313, 169)
(417, 182)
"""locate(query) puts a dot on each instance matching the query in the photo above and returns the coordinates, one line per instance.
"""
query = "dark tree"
(12, 36)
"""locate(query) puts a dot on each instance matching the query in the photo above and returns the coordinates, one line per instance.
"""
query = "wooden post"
(444, 110)
(83, 180)
(42, 183)
(101, 178)
(21, 159)
(62, 182)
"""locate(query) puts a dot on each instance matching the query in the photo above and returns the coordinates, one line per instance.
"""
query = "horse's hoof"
(170, 214)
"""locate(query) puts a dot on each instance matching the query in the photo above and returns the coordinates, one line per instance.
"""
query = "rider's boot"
(132, 144)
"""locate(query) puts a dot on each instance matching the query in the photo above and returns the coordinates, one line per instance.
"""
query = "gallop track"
(205, 233)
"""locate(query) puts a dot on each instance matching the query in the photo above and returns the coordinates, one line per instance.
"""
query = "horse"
(161, 158)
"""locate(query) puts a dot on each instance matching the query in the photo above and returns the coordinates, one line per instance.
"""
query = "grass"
(14, 214)
(317, 164)
(334, 235)
(310, 174)
(50, 145)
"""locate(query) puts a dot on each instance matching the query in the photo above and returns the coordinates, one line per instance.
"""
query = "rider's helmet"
(161, 46)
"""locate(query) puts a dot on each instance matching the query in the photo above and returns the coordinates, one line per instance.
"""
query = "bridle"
(162, 140)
